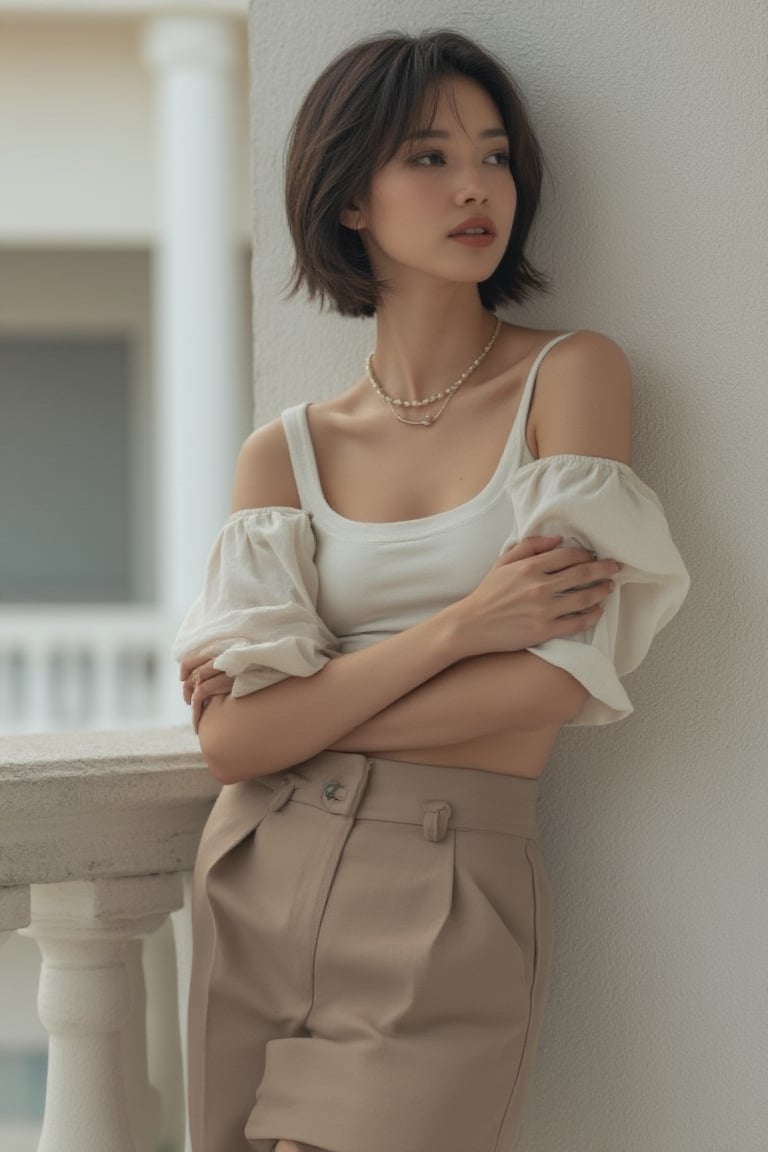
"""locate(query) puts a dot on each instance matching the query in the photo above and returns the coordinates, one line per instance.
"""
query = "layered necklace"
(445, 395)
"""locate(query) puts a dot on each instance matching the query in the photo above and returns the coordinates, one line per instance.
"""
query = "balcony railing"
(97, 833)
(93, 667)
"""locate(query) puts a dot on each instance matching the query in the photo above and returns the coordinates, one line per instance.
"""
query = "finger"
(197, 712)
(220, 685)
(199, 706)
(190, 687)
(187, 668)
(190, 665)
(530, 546)
(577, 622)
(585, 575)
(583, 600)
(199, 703)
(198, 675)
(562, 558)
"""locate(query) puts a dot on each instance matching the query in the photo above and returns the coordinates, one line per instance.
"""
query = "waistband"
(432, 795)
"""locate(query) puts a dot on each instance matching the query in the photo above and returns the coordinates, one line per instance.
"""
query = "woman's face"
(444, 205)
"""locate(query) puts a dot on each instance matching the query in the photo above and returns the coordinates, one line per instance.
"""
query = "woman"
(421, 581)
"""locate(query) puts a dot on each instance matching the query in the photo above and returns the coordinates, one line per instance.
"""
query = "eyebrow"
(440, 134)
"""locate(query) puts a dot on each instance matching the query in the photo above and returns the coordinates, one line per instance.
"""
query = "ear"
(352, 217)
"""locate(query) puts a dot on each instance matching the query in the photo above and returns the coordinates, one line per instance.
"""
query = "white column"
(164, 1044)
(197, 332)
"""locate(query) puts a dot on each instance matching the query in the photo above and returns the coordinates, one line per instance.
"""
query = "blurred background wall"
(125, 303)
(124, 338)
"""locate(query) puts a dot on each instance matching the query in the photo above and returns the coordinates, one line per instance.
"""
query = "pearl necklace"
(445, 395)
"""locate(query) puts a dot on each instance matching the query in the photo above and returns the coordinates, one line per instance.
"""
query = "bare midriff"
(512, 752)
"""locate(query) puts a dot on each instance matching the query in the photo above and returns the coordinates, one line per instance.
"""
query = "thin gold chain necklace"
(445, 395)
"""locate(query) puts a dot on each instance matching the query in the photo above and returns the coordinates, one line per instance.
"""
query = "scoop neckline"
(322, 510)
(418, 525)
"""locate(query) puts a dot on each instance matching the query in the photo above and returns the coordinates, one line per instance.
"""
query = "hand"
(538, 590)
(201, 682)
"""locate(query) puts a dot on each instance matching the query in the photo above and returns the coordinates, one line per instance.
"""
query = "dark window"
(65, 470)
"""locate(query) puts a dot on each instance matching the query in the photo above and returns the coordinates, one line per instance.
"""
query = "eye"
(499, 159)
(427, 159)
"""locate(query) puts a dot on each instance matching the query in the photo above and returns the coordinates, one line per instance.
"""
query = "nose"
(471, 186)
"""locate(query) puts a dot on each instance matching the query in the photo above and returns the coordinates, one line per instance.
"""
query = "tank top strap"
(302, 455)
(521, 453)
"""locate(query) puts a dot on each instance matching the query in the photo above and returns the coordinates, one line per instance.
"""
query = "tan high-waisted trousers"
(372, 944)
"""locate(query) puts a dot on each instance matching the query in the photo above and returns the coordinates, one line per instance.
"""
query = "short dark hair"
(353, 120)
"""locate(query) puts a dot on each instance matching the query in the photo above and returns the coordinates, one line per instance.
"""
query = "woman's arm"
(470, 699)
(527, 597)
(520, 601)
(583, 404)
(267, 731)
(531, 593)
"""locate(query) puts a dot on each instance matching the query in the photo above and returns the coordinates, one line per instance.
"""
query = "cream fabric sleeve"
(257, 611)
(603, 505)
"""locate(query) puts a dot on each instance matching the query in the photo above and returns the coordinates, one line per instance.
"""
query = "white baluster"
(36, 688)
(6, 687)
(144, 1104)
(68, 685)
(163, 1034)
(104, 708)
(82, 929)
(137, 690)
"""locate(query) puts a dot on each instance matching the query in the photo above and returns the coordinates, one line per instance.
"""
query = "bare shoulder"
(264, 476)
(583, 399)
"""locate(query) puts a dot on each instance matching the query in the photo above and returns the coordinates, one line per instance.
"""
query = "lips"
(475, 226)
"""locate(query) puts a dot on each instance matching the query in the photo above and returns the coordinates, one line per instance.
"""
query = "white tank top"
(273, 569)
(378, 579)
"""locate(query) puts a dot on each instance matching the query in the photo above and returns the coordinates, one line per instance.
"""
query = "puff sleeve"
(257, 611)
(603, 505)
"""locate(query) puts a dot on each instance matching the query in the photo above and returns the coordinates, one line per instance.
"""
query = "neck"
(425, 342)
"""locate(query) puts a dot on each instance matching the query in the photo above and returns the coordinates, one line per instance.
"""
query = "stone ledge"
(76, 806)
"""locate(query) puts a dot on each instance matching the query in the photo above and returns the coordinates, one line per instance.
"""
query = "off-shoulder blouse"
(288, 589)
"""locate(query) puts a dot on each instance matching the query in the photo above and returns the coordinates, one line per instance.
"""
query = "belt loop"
(437, 813)
(283, 793)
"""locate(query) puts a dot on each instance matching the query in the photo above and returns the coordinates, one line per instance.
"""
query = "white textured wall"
(654, 226)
